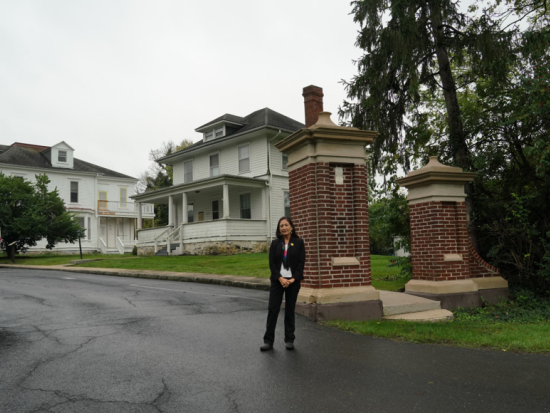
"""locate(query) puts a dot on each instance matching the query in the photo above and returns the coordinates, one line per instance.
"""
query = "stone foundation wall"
(215, 248)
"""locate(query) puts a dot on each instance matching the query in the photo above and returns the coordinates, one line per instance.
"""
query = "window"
(190, 213)
(285, 161)
(102, 204)
(244, 159)
(215, 209)
(89, 232)
(214, 165)
(82, 226)
(214, 133)
(74, 192)
(188, 172)
(286, 197)
(245, 206)
(123, 199)
(61, 156)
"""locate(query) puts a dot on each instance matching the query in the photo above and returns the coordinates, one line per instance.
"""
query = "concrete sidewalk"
(253, 283)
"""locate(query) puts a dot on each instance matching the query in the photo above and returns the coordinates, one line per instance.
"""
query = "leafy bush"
(134, 250)
(524, 306)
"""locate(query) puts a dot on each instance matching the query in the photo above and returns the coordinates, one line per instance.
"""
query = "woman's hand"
(284, 282)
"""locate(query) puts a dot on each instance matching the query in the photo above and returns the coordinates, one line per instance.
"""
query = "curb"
(253, 283)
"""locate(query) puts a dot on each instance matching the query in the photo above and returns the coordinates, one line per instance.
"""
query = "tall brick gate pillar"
(328, 205)
(446, 267)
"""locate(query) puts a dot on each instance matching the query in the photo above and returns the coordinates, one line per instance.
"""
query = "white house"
(229, 189)
(98, 196)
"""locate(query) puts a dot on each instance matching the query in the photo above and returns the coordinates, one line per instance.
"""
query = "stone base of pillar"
(461, 293)
(452, 301)
(337, 295)
(351, 311)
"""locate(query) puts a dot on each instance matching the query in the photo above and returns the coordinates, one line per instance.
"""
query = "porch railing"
(111, 207)
(159, 238)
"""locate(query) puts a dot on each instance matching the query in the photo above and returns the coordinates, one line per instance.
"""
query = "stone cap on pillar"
(326, 142)
(436, 182)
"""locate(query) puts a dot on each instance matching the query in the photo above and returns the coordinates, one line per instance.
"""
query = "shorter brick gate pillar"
(445, 264)
(328, 205)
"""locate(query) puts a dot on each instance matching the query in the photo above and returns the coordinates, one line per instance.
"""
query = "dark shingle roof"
(22, 156)
(258, 119)
(227, 117)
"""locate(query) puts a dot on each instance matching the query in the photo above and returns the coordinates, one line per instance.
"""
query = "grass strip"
(54, 259)
(248, 265)
(528, 338)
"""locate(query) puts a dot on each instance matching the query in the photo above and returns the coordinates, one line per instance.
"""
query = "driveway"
(90, 343)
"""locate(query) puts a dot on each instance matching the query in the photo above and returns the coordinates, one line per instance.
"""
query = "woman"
(287, 256)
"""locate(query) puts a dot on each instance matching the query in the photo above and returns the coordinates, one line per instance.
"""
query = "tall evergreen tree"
(416, 47)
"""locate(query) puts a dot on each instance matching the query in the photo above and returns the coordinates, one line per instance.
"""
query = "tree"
(418, 47)
(472, 88)
(160, 176)
(30, 212)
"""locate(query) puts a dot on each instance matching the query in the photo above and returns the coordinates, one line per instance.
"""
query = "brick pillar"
(328, 203)
(446, 266)
(313, 103)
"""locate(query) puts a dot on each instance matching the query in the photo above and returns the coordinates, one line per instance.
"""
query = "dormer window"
(62, 156)
(214, 133)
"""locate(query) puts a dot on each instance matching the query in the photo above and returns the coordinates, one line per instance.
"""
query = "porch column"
(170, 210)
(139, 217)
(184, 208)
(226, 201)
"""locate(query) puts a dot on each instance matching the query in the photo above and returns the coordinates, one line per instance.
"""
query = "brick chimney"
(313, 103)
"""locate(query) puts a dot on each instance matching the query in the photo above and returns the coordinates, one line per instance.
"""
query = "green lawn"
(530, 338)
(52, 259)
(250, 265)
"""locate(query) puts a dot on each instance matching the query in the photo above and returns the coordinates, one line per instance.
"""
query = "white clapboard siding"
(278, 186)
(229, 159)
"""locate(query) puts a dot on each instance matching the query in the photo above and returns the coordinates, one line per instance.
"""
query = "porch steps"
(401, 306)
(163, 251)
(112, 251)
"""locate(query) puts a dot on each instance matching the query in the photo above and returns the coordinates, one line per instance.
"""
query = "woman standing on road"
(287, 256)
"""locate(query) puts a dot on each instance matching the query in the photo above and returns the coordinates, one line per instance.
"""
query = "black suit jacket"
(296, 258)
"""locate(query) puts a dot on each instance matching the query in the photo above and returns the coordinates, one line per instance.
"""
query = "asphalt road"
(90, 343)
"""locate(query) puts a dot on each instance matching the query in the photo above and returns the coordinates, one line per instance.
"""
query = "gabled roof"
(256, 120)
(30, 156)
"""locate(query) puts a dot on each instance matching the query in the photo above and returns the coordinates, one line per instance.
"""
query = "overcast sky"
(115, 78)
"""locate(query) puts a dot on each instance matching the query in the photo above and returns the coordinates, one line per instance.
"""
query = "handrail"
(158, 236)
(121, 250)
(103, 247)
(168, 249)
(162, 233)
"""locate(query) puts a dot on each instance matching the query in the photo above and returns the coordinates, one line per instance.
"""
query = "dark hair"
(278, 232)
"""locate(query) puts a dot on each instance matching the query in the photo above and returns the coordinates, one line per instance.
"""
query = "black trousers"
(275, 299)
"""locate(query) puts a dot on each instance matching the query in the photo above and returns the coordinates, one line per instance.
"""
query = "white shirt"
(286, 273)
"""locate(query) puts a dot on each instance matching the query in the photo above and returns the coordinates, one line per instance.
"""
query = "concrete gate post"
(446, 266)
(328, 205)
